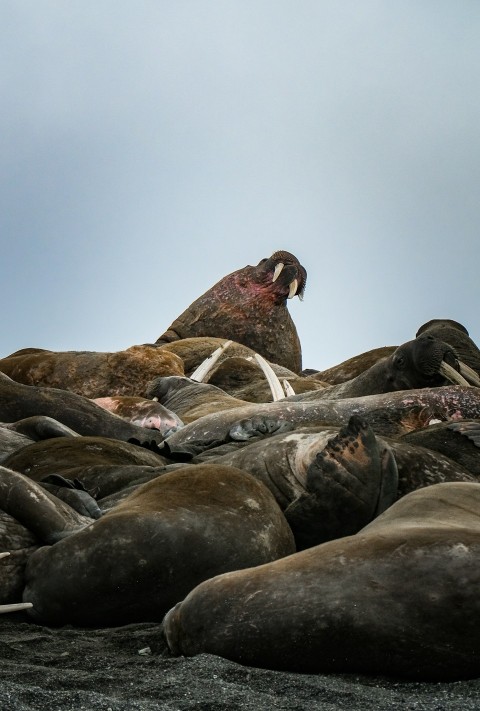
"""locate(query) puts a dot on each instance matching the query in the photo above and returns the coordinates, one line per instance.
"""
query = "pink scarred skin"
(249, 307)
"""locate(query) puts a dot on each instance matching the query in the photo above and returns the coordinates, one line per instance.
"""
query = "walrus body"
(150, 550)
(399, 598)
(389, 414)
(90, 373)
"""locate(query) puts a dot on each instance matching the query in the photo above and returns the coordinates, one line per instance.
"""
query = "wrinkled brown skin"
(92, 374)
(457, 336)
(398, 598)
(148, 552)
(18, 401)
(248, 307)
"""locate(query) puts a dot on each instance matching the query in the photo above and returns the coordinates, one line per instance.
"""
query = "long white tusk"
(278, 271)
(2, 555)
(451, 374)
(288, 388)
(293, 289)
(271, 376)
(469, 374)
(15, 607)
(200, 373)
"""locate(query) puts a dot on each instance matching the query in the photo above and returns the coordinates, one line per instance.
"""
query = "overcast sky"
(148, 148)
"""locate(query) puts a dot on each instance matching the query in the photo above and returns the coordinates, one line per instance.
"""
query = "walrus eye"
(400, 362)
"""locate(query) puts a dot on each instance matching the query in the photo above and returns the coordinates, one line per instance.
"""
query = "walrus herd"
(301, 520)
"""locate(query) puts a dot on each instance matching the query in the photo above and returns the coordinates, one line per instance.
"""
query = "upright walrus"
(249, 306)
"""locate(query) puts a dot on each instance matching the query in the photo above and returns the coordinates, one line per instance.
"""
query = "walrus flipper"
(345, 487)
(74, 494)
(43, 514)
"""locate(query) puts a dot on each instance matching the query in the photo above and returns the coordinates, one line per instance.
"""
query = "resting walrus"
(398, 598)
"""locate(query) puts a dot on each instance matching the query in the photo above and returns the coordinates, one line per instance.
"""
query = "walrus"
(421, 363)
(399, 598)
(30, 516)
(424, 362)
(249, 307)
(191, 400)
(389, 414)
(328, 483)
(90, 373)
(150, 550)
(460, 441)
(75, 458)
(18, 401)
(327, 480)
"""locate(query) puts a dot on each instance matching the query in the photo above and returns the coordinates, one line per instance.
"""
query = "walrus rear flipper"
(349, 482)
(73, 493)
(43, 514)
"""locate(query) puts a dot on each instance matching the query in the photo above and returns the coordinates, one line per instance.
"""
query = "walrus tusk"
(288, 388)
(14, 607)
(451, 374)
(293, 285)
(200, 373)
(271, 376)
(293, 289)
(469, 374)
(278, 270)
(2, 555)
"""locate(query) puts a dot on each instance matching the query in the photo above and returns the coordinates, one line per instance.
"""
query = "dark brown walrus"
(149, 551)
(398, 598)
(249, 306)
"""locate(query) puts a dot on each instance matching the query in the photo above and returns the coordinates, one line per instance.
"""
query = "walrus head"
(284, 269)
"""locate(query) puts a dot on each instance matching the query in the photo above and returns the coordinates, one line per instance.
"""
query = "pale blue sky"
(148, 148)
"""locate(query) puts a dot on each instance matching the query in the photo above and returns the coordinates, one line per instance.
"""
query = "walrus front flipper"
(39, 427)
(72, 493)
(43, 514)
(347, 483)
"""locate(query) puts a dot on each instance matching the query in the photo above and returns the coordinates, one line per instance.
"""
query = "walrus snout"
(288, 271)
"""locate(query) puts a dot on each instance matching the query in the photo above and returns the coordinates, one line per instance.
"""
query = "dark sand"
(129, 669)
